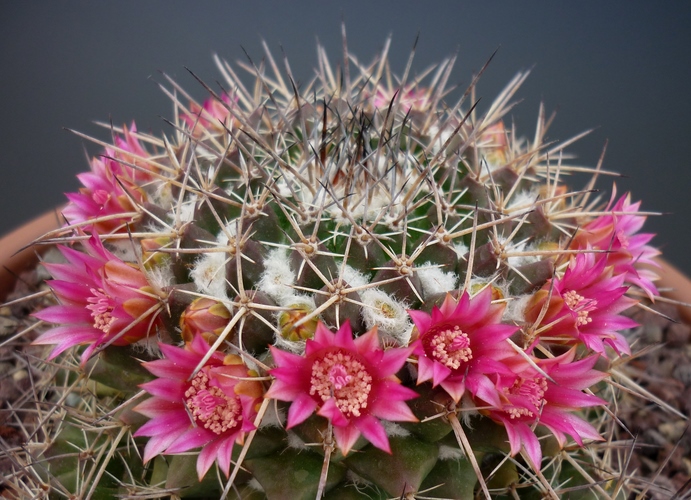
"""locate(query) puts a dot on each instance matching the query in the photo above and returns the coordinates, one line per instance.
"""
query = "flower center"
(101, 310)
(531, 389)
(340, 376)
(210, 407)
(581, 306)
(450, 347)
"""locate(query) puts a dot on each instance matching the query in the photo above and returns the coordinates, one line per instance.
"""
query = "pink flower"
(495, 148)
(585, 305)
(110, 188)
(212, 115)
(102, 300)
(460, 344)
(133, 153)
(627, 250)
(529, 398)
(410, 98)
(349, 382)
(212, 409)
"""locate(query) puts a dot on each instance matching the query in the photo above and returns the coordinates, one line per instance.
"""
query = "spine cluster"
(358, 270)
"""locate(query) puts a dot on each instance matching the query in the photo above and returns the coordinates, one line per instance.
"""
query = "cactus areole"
(361, 285)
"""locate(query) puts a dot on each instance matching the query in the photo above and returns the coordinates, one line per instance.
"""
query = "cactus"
(347, 288)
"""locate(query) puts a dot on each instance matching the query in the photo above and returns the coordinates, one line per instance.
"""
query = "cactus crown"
(350, 282)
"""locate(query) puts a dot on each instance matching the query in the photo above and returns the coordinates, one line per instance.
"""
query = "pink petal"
(224, 454)
(165, 369)
(513, 435)
(170, 390)
(493, 334)
(391, 406)
(322, 336)
(344, 337)
(346, 437)
(330, 411)
(571, 424)
(374, 432)
(72, 293)
(284, 389)
(173, 422)
(425, 369)
(368, 342)
(207, 457)
(180, 356)
(68, 334)
(482, 387)
(90, 350)
(455, 387)
(120, 273)
(479, 306)
(392, 361)
(284, 359)
(193, 437)
(303, 406)
(422, 320)
(153, 407)
(65, 314)
(571, 398)
(440, 373)
(158, 444)
(531, 444)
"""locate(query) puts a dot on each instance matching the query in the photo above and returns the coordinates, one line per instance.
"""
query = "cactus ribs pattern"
(348, 288)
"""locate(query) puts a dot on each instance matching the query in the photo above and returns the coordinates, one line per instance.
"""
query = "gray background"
(623, 67)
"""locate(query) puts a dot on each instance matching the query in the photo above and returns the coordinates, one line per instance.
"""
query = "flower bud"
(206, 317)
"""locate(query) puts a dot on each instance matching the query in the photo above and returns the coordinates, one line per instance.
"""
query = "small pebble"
(673, 430)
(687, 465)
(8, 326)
(678, 335)
(682, 373)
(652, 334)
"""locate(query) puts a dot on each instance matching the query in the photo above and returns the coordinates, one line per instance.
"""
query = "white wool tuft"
(255, 485)
(461, 249)
(450, 453)
(187, 210)
(388, 315)
(273, 417)
(209, 274)
(295, 442)
(435, 281)
(161, 276)
(277, 279)
(353, 277)
(125, 250)
(522, 202)
(394, 430)
(515, 310)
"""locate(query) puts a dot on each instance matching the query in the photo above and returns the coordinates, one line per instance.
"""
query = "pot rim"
(18, 251)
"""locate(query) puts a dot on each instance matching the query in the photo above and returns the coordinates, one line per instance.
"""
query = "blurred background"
(620, 67)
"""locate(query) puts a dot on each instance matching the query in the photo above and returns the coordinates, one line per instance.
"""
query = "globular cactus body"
(343, 288)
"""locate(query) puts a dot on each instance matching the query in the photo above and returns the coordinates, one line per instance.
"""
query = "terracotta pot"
(17, 253)
(678, 285)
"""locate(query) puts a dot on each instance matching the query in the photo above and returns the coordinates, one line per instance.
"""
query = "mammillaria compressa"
(357, 286)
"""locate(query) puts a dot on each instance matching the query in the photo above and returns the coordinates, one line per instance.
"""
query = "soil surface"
(661, 456)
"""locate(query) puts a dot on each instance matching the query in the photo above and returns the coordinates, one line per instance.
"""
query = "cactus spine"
(345, 288)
